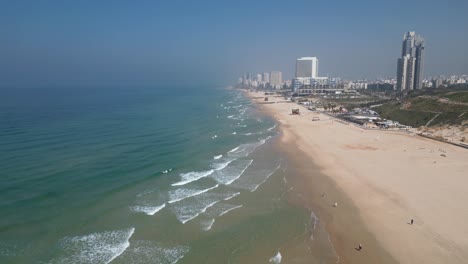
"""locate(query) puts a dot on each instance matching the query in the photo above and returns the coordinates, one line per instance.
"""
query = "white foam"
(142, 252)
(101, 247)
(197, 214)
(207, 225)
(192, 176)
(266, 178)
(230, 209)
(276, 259)
(231, 196)
(217, 157)
(215, 136)
(181, 194)
(234, 149)
(191, 208)
(231, 173)
(231, 116)
(316, 219)
(273, 127)
(245, 149)
(149, 210)
(234, 133)
(220, 166)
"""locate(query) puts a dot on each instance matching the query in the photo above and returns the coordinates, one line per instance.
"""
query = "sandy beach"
(380, 180)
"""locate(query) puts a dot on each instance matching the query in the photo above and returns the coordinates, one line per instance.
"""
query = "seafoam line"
(194, 194)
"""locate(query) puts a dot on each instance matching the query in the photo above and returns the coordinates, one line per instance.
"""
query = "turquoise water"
(140, 175)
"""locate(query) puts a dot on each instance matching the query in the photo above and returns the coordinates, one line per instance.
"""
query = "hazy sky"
(148, 42)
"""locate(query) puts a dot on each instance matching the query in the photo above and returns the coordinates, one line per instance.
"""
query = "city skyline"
(81, 43)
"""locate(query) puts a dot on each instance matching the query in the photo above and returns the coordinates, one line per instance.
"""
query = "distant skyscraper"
(266, 77)
(411, 63)
(259, 78)
(307, 67)
(276, 78)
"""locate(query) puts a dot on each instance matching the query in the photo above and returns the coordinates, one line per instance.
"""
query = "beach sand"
(380, 181)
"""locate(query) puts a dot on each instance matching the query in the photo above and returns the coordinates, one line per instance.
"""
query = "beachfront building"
(276, 79)
(307, 76)
(266, 77)
(307, 67)
(411, 63)
(259, 78)
(321, 85)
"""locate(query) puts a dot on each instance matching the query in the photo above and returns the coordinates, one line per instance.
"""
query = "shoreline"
(380, 181)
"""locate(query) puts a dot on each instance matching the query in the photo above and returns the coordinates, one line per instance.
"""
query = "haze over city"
(174, 42)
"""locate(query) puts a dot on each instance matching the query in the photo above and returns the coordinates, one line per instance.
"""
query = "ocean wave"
(208, 224)
(217, 157)
(244, 150)
(192, 176)
(234, 149)
(273, 127)
(255, 178)
(142, 251)
(266, 178)
(183, 219)
(181, 194)
(188, 210)
(230, 209)
(101, 247)
(231, 196)
(229, 174)
(149, 210)
(220, 166)
(316, 220)
(234, 133)
(276, 259)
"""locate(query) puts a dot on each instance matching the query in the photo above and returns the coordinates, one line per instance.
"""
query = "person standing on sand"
(359, 247)
(412, 221)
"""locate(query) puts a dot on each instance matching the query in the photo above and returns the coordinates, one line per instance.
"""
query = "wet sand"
(380, 180)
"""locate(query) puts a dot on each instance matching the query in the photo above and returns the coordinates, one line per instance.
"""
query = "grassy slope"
(392, 111)
(422, 110)
(458, 96)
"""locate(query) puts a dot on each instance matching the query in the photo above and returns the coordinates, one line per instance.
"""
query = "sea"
(147, 175)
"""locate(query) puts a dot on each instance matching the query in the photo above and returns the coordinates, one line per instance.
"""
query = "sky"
(106, 43)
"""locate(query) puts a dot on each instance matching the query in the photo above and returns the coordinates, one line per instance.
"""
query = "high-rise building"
(307, 67)
(259, 78)
(276, 78)
(411, 63)
(266, 77)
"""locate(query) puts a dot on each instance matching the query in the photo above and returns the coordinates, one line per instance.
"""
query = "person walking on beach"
(412, 221)
(359, 247)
